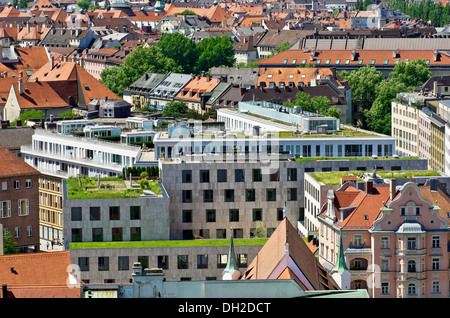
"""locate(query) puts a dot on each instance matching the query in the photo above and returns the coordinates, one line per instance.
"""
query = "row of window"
(114, 213)
(117, 234)
(239, 175)
(18, 231)
(210, 215)
(16, 184)
(182, 262)
(411, 288)
(250, 195)
(22, 204)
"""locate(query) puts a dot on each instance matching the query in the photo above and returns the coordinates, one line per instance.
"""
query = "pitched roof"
(13, 166)
(291, 74)
(37, 275)
(285, 254)
(197, 86)
(37, 95)
(346, 58)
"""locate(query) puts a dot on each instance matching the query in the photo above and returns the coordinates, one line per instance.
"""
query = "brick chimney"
(369, 187)
(20, 86)
(392, 189)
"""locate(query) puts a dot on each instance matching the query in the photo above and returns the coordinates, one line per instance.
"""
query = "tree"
(214, 52)
(412, 74)
(317, 104)
(84, 5)
(29, 114)
(175, 109)
(363, 83)
(283, 47)
(137, 63)
(8, 244)
(181, 49)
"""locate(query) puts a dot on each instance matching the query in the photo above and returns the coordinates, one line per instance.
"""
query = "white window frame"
(4, 185)
(16, 184)
(21, 207)
(17, 233)
(29, 230)
(28, 184)
(5, 214)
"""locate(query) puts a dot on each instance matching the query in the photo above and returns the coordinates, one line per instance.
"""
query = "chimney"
(52, 62)
(369, 187)
(20, 87)
(392, 189)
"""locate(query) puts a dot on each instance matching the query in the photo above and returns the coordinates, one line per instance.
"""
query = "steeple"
(340, 266)
(231, 271)
(340, 272)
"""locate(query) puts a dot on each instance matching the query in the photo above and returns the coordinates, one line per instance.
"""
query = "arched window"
(411, 266)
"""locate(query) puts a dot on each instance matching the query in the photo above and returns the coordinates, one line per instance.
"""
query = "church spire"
(231, 270)
(340, 266)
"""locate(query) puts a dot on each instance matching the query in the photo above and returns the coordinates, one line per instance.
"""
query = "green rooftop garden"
(168, 243)
(334, 177)
(111, 187)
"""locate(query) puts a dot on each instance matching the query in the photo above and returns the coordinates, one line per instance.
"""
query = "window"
(372, 61)
(182, 261)
(257, 215)
(94, 213)
(411, 266)
(411, 243)
(234, 215)
(202, 261)
(411, 289)
(229, 195)
(436, 242)
(186, 176)
(239, 175)
(75, 213)
(221, 233)
(187, 196)
(436, 287)
(357, 240)
(210, 215)
(207, 195)
(17, 232)
(163, 261)
(135, 212)
(338, 61)
(222, 260)
(29, 230)
(221, 175)
(28, 183)
(123, 263)
(114, 213)
(384, 265)
(386, 61)
(292, 194)
(77, 235)
(135, 233)
(23, 207)
(143, 260)
(257, 176)
(284, 61)
(275, 176)
(250, 195)
(385, 242)
(16, 184)
(204, 176)
(271, 194)
(417, 210)
(97, 234)
(103, 263)
(385, 288)
(117, 234)
(292, 174)
(435, 263)
(83, 263)
(186, 216)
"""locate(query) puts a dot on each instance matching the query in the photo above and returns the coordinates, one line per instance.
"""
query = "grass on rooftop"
(119, 188)
(169, 243)
(334, 177)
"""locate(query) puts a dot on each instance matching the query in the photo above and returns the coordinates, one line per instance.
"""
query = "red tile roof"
(37, 275)
(37, 95)
(11, 165)
(329, 58)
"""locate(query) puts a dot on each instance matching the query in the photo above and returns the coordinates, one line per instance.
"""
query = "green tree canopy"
(141, 60)
(412, 74)
(214, 52)
(8, 244)
(317, 104)
(182, 50)
(175, 109)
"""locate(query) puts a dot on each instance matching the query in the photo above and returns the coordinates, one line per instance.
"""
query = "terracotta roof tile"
(13, 166)
(37, 275)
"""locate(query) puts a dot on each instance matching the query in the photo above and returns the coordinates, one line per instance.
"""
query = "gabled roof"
(13, 166)
(197, 86)
(37, 275)
(37, 95)
(285, 254)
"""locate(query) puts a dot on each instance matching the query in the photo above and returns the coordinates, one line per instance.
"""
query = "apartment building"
(51, 207)
(394, 238)
(68, 155)
(212, 194)
(19, 199)
(404, 124)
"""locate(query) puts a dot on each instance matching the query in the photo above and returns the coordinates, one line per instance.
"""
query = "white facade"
(66, 155)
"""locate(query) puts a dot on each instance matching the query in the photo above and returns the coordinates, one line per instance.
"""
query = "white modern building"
(67, 155)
